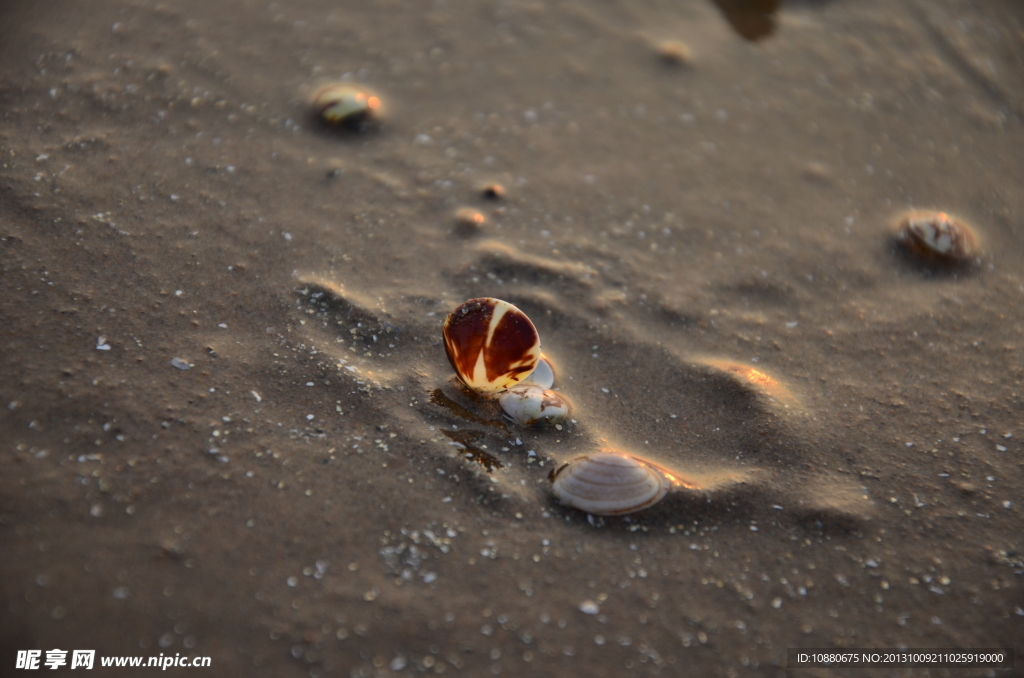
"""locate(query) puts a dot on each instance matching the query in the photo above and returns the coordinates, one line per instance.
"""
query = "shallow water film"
(229, 425)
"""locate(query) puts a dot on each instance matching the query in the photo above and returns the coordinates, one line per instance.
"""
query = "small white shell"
(529, 403)
(609, 483)
(543, 375)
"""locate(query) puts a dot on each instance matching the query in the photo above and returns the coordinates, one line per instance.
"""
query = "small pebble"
(469, 221)
(493, 191)
(674, 53)
(817, 172)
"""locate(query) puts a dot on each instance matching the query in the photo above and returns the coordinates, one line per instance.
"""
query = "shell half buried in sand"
(529, 404)
(491, 344)
(937, 237)
(610, 483)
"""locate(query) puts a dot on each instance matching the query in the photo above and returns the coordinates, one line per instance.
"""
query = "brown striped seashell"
(610, 483)
(491, 344)
(937, 236)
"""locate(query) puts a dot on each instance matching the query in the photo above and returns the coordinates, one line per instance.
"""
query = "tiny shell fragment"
(937, 236)
(491, 344)
(610, 483)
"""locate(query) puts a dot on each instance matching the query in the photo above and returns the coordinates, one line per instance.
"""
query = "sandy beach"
(229, 428)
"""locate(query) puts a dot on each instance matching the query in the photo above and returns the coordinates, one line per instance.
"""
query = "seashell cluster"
(937, 237)
(346, 104)
(610, 483)
(495, 351)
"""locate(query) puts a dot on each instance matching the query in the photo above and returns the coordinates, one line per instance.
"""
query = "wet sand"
(307, 490)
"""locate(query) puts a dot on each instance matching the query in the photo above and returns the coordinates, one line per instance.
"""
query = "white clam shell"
(543, 375)
(528, 404)
(610, 483)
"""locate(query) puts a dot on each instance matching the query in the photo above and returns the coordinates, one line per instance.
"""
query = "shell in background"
(528, 404)
(491, 344)
(610, 483)
(469, 221)
(543, 375)
(937, 236)
(674, 53)
(493, 191)
(346, 104)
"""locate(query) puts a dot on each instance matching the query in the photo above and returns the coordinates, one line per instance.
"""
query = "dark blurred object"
(753, 19)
